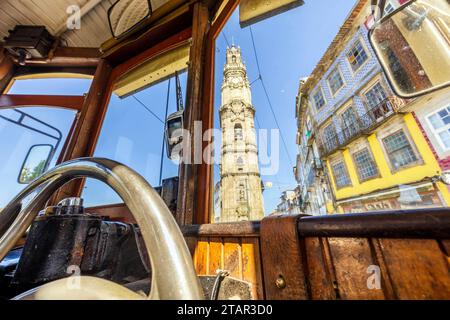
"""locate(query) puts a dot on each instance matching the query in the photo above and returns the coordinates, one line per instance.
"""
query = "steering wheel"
(173, 274)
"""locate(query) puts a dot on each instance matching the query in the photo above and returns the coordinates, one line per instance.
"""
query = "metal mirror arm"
(173, 274)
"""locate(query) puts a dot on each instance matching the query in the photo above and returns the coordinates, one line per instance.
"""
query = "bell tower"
(241, 189)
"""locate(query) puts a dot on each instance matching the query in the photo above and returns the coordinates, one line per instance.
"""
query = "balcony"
(363, 125)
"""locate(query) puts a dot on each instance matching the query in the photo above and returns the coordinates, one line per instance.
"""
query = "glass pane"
(133, 134)
(51, 86)
(445, 138)
(39, 126)
(296, 62)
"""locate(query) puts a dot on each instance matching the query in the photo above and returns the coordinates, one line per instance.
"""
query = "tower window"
(238, 135)
(242, 192)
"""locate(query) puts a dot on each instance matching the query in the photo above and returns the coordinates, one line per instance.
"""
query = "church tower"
(241, 188)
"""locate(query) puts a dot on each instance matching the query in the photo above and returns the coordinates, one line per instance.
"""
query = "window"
(367, 169)
(20, 130)
(238, 136)
(357, 56)
(319, 99)
(335, 81)
(400, 151)
(242, 192)
(340, 173)
(350, 122)
(329, 132)
(388, 8)
(375, 95)
(133, 134)
(440, 122)
(51, 86)
(329, 137)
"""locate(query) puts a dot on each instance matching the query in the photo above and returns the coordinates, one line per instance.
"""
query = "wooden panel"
(194, 192)
(251, 261)
(216, 255)
(318, 272)
(418, 268)
(201, 257)
(240, 256)
(282, 259)
(233, 257)
(68, 102)
(192, 245)
(351, 259)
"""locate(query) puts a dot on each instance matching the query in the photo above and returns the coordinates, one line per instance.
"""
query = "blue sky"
(289, 46)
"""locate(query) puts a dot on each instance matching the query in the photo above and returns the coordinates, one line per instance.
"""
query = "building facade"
(289, 203)
(314, 192)
(373, 152)
(240, 185)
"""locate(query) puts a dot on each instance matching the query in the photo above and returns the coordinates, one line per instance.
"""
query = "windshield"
(23, 128)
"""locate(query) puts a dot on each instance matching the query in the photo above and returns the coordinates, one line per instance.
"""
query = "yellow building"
(375, 154)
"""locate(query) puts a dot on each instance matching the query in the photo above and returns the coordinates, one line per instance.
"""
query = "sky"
(288, 46)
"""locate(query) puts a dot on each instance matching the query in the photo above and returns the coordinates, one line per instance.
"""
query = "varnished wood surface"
(194, 193)
(66, 102)
(239, 256)
(418, 223)
(318, 268)
(282, 259)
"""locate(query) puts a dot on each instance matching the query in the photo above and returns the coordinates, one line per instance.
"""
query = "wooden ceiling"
(53, 14)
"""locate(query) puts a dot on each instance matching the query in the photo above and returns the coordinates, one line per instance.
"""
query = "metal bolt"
(281, 283)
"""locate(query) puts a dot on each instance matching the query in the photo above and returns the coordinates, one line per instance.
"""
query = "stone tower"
(241, 189)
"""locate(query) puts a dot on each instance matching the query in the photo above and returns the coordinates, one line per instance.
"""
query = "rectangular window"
(350, 122)
(388, 8)
(357, 56)
(376, 95)
(340, 173)
(335, 81)
(329, 138)
(400, 151)
(319, 99)
(367, 169)
(440, 123)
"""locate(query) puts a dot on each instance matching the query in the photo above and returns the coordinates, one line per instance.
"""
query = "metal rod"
(161, 168)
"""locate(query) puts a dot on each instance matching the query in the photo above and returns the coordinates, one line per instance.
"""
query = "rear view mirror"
(127, 15)
(413, 47)
(36, 163)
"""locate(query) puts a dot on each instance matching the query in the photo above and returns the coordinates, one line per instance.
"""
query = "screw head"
(280, 282)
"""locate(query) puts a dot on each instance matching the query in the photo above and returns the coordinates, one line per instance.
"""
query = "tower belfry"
(241, 189)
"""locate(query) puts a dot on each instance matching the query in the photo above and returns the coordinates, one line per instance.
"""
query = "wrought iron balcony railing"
(361, 125)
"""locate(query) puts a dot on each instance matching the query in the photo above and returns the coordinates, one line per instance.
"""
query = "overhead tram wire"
(149, 110)
(268, 99)
(161, 168)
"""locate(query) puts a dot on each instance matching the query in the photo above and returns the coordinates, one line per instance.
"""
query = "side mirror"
(174, 134)
(125, 16)
(36, 163)
(413, 47)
